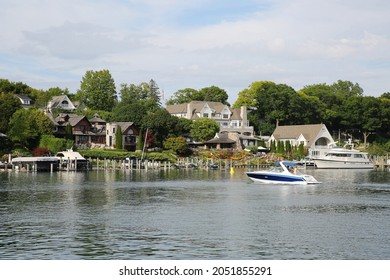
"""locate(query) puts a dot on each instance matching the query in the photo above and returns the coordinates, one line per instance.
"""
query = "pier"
(382, 162)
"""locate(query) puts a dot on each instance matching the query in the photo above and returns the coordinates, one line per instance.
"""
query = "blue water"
(193, 214)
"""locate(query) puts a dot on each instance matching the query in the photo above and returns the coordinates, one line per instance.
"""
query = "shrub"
(40, 152)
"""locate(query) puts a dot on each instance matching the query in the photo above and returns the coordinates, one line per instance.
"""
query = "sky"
(195, 44)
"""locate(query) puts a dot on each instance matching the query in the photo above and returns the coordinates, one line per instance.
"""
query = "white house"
(129, 135)
(61, 102)
(314, 137)
(231, 121)
(26, 101)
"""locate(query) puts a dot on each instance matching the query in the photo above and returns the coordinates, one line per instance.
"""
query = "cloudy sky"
(198, 43)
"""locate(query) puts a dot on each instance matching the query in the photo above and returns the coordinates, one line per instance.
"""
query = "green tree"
(185, 96)
(16, 88)
(204, 129)
(301, 150)
(118, 138)
(214, 94)
(26, 127)
(130, 112)
(55, 144)
(69, 132)
(146, 94)
(182, 126)
(271, 103)
(9, 104)
(178, 145)
(161, 124)
(97, 90)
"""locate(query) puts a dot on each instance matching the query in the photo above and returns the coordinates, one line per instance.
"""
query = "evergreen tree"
(118, 138)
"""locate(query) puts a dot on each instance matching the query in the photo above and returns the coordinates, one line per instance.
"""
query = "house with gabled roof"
(231, 121)
(60, 102)
(129, 135)
(26, 101)
(81, 128)
(314, 137)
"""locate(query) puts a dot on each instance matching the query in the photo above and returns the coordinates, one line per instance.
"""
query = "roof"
(55, 101)
(70, 154)
(23, 97)
(97, 119)
(236, 114)
(177, 108)
(73, 119)
(222, 138)
(34, 159)
(197, 106)
(309, 131)
(124, 125)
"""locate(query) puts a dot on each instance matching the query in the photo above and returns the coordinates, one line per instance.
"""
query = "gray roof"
(73, 119)
(309, 131)
(124, 125)
(222, 138)
(97, 119)
(24, 97)
(197, 106)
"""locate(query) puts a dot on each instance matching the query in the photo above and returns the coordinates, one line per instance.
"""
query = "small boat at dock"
(283, 172)
(70, 159)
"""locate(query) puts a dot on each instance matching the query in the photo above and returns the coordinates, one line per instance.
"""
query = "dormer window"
(65, 103)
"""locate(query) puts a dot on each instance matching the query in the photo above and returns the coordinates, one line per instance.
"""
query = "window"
(205, 115)
(225, 116)
(113, 130)
(65, 103)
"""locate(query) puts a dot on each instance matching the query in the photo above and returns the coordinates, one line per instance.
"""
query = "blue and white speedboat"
(283, 172)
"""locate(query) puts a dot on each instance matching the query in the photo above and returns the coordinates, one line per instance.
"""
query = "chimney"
(189, 110)
(244, 117)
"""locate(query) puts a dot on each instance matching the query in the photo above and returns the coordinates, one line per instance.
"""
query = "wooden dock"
(382, 162)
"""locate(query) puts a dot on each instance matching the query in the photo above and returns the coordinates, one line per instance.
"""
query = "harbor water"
(193, 214)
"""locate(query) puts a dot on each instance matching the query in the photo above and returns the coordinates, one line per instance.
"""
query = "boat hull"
(342, 164)
(270, 178)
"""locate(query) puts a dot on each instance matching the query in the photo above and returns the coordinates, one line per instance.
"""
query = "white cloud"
(195, 44)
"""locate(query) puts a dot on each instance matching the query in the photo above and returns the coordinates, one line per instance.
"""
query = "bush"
(41, 152)
(178, 145)
(122, 154)
(54, 144)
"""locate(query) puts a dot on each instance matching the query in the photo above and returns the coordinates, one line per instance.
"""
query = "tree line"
(341, 106)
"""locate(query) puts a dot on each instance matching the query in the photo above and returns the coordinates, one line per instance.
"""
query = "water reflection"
(193, 214)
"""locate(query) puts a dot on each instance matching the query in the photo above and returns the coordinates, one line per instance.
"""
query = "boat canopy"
(69, 154)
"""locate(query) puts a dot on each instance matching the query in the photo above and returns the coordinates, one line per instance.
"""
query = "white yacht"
(344, 158)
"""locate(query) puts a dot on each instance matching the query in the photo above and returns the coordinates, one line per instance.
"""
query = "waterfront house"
(233, 122)
(129, 135)
(60, 102)
(311, 136)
